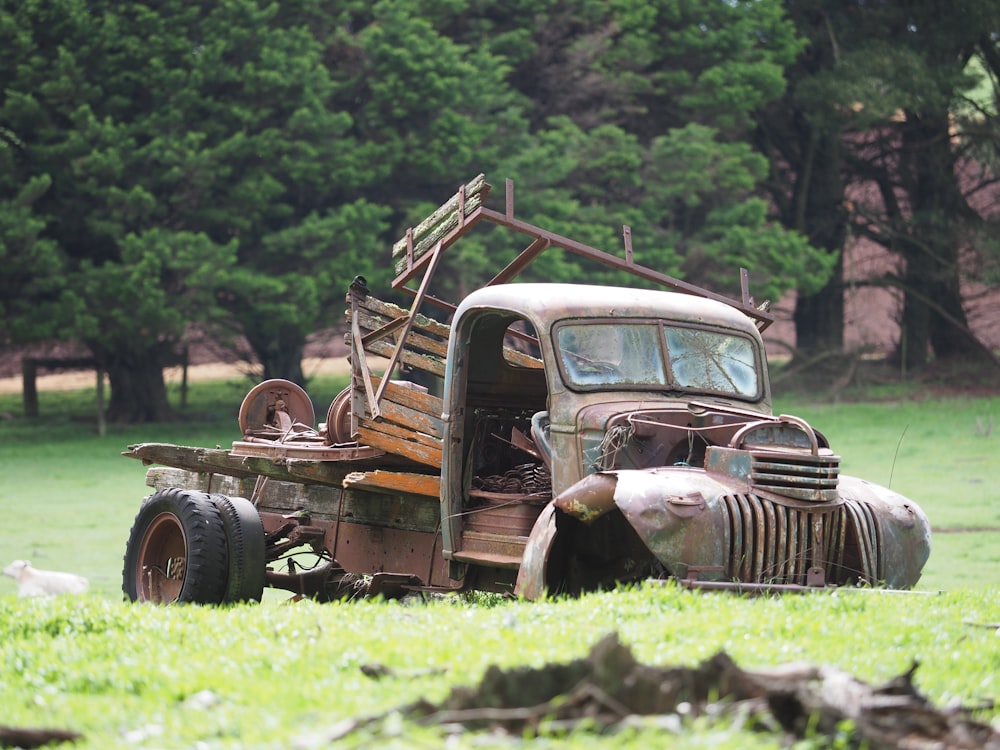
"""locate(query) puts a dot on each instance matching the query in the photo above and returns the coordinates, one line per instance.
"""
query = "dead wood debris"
(22, 737)
(609, 688)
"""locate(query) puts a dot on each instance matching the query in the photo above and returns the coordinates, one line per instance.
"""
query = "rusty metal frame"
(543, 239)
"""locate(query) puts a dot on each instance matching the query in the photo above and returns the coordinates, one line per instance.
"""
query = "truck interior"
(506, 479)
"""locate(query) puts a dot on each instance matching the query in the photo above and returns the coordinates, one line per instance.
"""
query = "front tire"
(176, 550)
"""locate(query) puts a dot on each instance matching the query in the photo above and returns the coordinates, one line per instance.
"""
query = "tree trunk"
(280, 357)
(819, 318)
(933, 316)
(914, 327)
(138, 391)
(803, 142)
(820, 215)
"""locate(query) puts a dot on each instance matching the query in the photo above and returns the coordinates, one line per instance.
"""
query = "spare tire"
(176, 550)
(246, 545)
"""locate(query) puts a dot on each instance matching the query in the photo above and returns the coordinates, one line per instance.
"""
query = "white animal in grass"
(34, 582)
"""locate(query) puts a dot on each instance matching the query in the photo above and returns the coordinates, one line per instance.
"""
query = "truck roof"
(543, 303)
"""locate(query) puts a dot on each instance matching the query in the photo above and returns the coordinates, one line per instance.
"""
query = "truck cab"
(643, 419)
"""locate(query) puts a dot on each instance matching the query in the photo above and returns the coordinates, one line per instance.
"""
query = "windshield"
(640, 355)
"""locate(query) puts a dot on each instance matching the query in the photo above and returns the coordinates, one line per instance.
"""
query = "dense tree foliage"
(232, 166)
(83, 99)
(638, 115)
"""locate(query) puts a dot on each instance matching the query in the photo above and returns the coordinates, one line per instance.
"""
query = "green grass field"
(938, 452)
(283, 675)
(289, 676)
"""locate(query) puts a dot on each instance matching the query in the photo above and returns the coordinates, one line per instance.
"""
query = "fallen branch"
(29, 738)
(609, 689)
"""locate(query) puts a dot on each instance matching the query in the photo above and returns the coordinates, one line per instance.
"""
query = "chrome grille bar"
(775, 544)
(801, 476)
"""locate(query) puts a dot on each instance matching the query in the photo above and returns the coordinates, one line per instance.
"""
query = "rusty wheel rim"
(162, 561)
(338, 418)
(253, 411)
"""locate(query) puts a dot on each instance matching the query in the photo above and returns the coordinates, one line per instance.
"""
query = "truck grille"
(774, 544)
(800, 476)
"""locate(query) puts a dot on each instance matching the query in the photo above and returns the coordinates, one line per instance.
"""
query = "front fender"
(531, 583)
(905, 538)
(668, 509)
(674, 512)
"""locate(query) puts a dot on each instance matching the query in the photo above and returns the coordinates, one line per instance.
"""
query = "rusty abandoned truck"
(583, 436)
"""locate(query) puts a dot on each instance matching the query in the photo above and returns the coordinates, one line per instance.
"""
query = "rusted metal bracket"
(749, 588)
(521, 262)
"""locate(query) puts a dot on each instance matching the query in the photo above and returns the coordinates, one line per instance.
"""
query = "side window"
(520, 345)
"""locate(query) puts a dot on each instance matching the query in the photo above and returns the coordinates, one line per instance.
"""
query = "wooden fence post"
(101, 425)
(29, 388)
(184, 378)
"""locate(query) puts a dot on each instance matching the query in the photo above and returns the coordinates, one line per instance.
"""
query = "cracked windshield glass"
(640, 355)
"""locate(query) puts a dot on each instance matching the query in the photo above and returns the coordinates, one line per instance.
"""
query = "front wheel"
(177, 550)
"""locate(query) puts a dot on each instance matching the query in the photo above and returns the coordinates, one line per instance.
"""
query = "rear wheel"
(176, 551)
(246, 544)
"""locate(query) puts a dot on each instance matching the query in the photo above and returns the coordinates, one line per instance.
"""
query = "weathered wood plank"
(162, 477)
(471, 188)
(403, 416)
(398, 481)
(394, 510)
(433, 365)
(322, 472)
(389, 311)
(326, 472)
(415, 451)
(415, 341)
(521, 359)
(196, 459)
(413, 398)
(221, 462)
(426, 345)
(445, 218)
(402, 433)
(440, 232)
